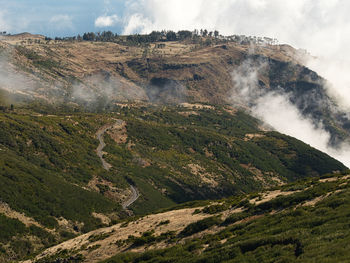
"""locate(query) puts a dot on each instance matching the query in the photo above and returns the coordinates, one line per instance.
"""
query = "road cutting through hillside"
(135, 193)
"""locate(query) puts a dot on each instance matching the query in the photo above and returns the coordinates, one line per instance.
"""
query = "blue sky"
(57, 18)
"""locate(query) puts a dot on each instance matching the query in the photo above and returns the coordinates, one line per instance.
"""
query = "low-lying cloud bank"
(275, 109)
(11, 80)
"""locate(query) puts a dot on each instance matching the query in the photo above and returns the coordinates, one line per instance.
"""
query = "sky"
(57, 18)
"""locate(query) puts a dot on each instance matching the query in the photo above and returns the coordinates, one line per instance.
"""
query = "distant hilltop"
(20, 37)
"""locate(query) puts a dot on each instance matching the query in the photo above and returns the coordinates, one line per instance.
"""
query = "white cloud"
(3, 25)
(62, 22)
(300, 22)
(276, 110)
(106, 21)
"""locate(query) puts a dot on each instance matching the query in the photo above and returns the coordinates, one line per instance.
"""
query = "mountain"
(95, 74)
(99, 137)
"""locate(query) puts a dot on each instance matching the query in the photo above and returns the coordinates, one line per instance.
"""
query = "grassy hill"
(53, 185)
(308, 225)
(299, 222)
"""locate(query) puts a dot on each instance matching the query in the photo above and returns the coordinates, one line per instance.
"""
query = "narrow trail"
(135, 193)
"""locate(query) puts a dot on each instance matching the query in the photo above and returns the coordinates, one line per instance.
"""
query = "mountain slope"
(52, 176)
(96, 74)
(301, 222)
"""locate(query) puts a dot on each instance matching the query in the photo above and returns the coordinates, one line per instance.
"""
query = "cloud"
(13, 81)
(276, 110)
(107, 21)
(104, 88)
(136, 23)
(3, 25)
(61, 22)
(289, 21)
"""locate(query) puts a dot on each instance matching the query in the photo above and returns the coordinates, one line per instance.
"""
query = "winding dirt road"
(135, 193)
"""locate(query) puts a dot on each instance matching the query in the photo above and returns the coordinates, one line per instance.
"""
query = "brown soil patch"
(188, 113)
(104, 219)
(314, 201)
(203, 174)
(251, 136)
(118, 132)
(196, 106)
(110, 191)
(333, 179)
(230, 110)
(266, 178)
(268, 196)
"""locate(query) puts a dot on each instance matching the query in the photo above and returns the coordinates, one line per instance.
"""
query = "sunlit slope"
(304, 222)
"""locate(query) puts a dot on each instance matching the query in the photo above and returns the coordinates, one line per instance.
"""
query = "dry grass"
(6, 210)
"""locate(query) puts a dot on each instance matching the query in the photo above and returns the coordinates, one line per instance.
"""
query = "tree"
(171, 36)
(184, 34)
(89, 36)
(155, 36)
(216, 34)
(107, 36)
(205, 33)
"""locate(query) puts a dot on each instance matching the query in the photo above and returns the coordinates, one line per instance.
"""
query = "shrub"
(200, 225)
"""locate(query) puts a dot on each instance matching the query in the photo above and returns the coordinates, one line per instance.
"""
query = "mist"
(275, 109)
(166, 91)
(13, 81)
(105, 88)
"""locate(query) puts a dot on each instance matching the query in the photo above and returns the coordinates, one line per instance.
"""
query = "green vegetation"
(293, 233)
(200, 226)
(48, 159)
(44, 159)
(149, 238)
(37, 60)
